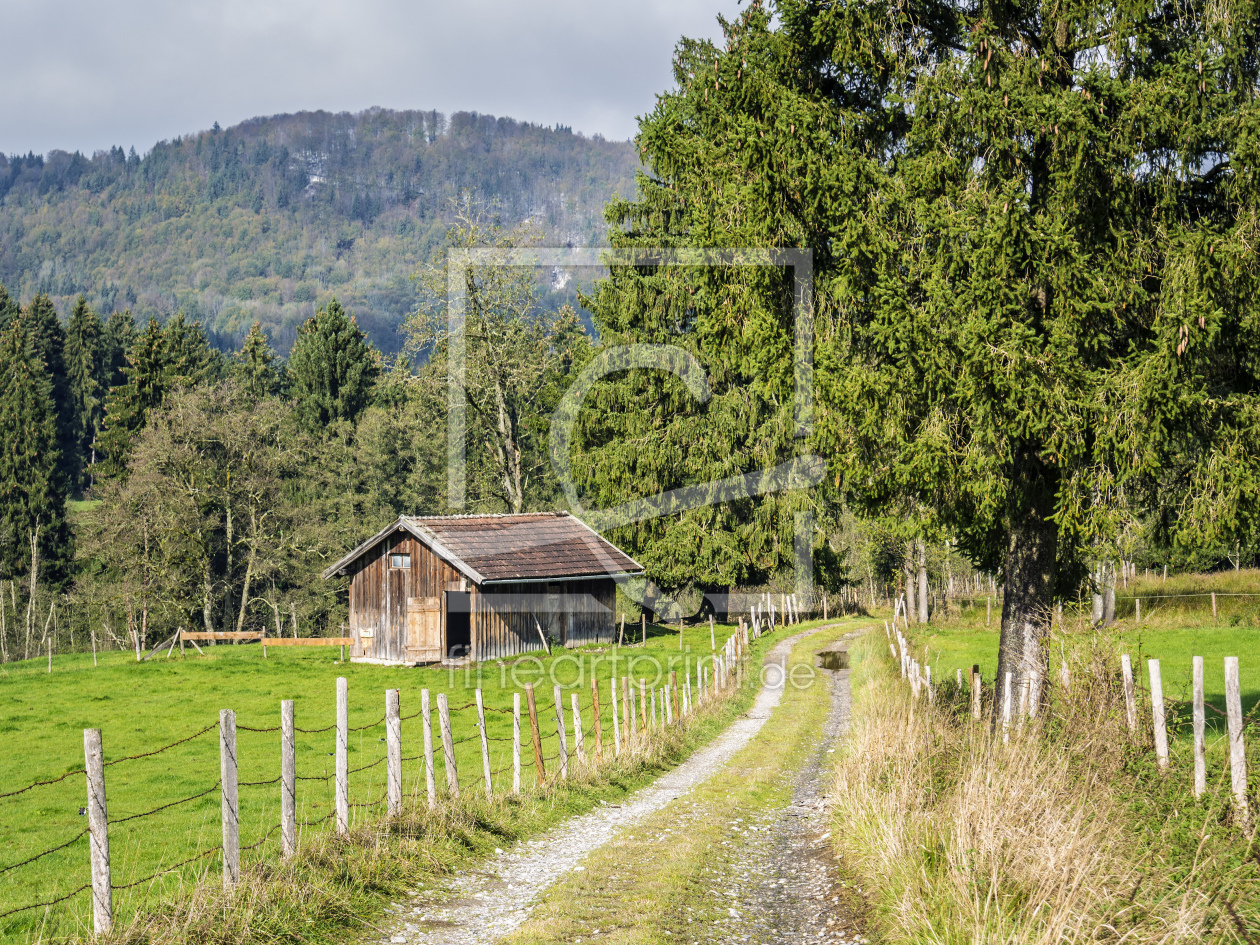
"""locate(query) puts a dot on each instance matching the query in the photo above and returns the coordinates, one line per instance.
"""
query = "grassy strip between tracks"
(668, 879)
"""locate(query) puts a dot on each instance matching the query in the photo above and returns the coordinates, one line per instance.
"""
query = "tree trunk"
(912, 611)
(249, 573)
(1109, 594)
(207, 602)
(923, 582)
(1031, 571)
(30, 603)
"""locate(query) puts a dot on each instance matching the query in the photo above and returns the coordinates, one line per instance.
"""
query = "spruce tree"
(129, 403)
(9, 308)
(160, 360)
(120, 335)
(1035, 296)
(189, 358)
(256, 365)
(332, 368)
(49, 340)
(86, 370)
(32, 500)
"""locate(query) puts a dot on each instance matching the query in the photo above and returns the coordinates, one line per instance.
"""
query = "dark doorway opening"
(458, 624)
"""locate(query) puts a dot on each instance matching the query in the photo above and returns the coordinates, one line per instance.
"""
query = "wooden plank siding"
(378, 594)
(502, 621)
(573, 612)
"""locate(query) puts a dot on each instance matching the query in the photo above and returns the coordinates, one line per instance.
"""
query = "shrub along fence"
(919, 678)
(555, 738)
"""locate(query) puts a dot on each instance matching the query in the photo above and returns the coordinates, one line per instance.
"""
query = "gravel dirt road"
(789, 880)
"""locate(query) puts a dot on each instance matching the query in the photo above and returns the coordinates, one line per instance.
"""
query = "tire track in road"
(486, 904)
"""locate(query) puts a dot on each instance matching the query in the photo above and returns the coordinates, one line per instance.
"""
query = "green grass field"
(143, 707)
(1177, 624)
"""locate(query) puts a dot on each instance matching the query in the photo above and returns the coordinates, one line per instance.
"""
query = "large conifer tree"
(1036, 295)
(256, 365)
(86, 372)
(32, 500)
(332, 367)
(159, 360)
(49, 340)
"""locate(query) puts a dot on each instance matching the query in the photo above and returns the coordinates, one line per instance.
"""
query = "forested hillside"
(268, 219)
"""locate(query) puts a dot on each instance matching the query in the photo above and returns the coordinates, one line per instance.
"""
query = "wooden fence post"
(599, 728)
(1137, 609)
(612, 690)
(1214, 605)
(98, 832)
(712, 644)
(1200, 747)
(393, 753)
(1157, 712)
(633, 711)
(687, 707)
(288, 781)
(426, 717)
(988, 611)
(579, 748)
(540, 770)
(652, 696)
(1006, 710)
(625, 709)
(448, 745)
(343, 756)
(516, 743)
(231, 805)
(564, 741)
(1130, 699)
(643, 618)
(1237, 756)
(643, 704)
(673, 694)
(485, 745)
(975, 695)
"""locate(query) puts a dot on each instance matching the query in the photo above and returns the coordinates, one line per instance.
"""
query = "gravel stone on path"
(487, 904)
(778, 868)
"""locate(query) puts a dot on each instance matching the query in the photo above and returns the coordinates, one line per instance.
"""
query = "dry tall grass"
(960, 838)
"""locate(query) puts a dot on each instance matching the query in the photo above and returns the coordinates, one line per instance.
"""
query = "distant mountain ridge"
(268, 218)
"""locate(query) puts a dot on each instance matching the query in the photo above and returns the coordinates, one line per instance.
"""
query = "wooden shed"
(427, 589)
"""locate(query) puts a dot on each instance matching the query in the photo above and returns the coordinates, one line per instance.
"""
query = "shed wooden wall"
(574, 612)
(503, 615)
(378, 593)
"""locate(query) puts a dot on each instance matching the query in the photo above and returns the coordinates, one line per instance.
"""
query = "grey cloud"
(87, 74)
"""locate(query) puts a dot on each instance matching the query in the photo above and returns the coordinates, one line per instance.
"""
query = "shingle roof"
(529, 546)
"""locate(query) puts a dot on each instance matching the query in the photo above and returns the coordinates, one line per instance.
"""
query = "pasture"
(173, 795)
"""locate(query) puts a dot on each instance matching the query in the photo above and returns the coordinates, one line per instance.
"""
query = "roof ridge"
(561, 513)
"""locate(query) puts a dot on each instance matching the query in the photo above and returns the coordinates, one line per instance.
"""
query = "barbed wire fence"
(1022, 696)
(547, 739)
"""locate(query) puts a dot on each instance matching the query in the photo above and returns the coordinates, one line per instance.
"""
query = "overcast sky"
(88, 74)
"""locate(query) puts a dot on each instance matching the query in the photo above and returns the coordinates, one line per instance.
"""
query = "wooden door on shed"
(424, 629)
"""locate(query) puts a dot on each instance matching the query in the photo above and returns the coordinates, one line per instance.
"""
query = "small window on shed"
(400, 561)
